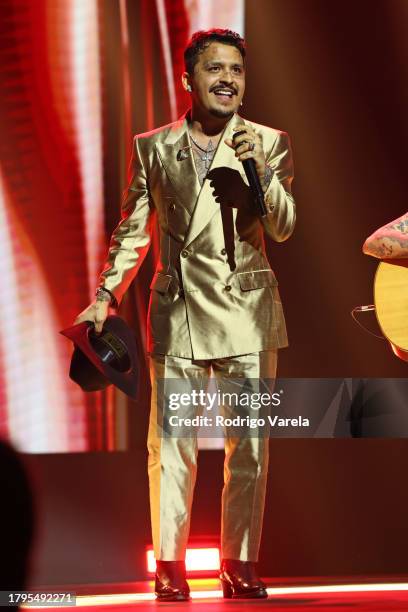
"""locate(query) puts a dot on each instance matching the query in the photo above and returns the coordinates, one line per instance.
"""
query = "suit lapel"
(180, 169)
(177, 159)
(206, 206)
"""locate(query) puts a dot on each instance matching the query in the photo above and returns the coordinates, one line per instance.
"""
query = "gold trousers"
(172, 463)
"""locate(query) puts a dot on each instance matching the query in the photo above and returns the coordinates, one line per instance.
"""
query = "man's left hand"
(247, 146)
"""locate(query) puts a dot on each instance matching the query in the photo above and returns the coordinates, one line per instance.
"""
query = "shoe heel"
(226, 589)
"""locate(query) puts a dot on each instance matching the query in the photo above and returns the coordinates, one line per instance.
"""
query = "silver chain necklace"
(207, 157)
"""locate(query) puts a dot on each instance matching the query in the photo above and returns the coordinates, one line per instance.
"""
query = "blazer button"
(228, 287)
(223, 251)
(172, 207)
(184, 253)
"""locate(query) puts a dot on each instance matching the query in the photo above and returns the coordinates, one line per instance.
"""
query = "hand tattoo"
(267, 177)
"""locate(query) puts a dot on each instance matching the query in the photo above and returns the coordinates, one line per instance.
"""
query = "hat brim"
(125, 381)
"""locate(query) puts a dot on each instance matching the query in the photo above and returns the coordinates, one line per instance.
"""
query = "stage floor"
(381, 594)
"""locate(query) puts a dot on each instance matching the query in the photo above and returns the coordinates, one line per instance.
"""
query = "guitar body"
(391, 303)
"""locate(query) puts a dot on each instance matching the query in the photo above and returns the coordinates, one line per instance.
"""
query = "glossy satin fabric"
(213, 293)
(172, 463)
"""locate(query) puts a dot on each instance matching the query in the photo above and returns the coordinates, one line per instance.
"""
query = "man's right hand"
(96, 312)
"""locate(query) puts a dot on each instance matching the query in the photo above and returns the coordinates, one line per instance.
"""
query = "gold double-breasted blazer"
(213, 293)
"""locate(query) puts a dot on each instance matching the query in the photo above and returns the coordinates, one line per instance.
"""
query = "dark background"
(333, 508)
(334, 76)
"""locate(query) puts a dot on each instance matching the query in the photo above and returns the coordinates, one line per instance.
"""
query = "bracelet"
(104, 295)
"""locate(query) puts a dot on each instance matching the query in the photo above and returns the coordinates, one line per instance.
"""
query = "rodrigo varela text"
(238, 421)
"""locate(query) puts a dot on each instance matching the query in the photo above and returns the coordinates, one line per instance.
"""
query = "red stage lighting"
(199, 560)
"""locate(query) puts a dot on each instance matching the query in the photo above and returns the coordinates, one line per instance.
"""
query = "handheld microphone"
(253, 180)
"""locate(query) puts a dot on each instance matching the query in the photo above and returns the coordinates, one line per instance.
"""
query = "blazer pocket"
(256, 279)
(161, 282)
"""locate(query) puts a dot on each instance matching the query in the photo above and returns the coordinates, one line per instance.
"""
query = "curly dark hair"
(201, 39)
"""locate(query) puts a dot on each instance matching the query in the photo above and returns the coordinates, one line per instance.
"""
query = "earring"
(189, 88)
(241, 103)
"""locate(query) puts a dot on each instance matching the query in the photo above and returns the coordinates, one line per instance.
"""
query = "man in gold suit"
(214, 304)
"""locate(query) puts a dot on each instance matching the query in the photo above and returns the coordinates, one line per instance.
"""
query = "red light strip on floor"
(127, 598)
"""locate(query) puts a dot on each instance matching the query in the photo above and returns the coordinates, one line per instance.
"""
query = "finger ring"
(252, 146)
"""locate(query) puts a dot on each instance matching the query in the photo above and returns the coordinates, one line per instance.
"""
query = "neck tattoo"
(205, 155)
